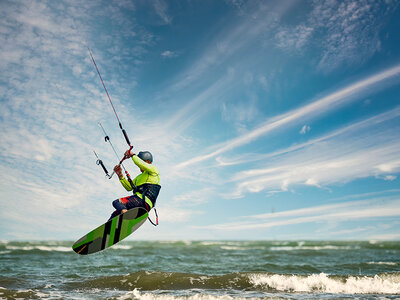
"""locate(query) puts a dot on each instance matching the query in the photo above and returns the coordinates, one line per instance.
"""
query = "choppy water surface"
(202, 270)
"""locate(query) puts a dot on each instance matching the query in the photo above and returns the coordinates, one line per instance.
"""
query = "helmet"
(145, 155)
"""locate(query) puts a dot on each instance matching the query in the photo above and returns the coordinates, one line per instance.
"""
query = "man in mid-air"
(146, 185)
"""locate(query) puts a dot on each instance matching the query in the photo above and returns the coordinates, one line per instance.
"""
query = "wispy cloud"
(195, 197)
(317, 108)
(295, 38)
(367, 148)
(197, 106)
(161, 8)
(50, 110)
(341, 212)
(232, 39)
(240, 114)
(169, 54)
(177, 215)
(347, 32)
(364, 125)
(305, 129)
(206, 83)
(385, 236)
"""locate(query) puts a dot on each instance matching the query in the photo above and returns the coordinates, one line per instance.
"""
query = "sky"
(268, 120)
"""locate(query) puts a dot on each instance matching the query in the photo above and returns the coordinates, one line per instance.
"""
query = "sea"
(202, 270)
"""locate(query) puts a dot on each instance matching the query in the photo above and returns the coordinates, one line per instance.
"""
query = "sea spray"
(322, 283)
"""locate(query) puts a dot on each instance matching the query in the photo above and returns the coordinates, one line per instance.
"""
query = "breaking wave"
(39, 247)
(386, 283)
(378, 284)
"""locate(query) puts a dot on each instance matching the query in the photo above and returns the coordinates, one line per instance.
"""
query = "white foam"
(42, 248)
(198, 280)
(136, 294)
(315, 248)
(388, 263)
(20, 248)
(223, 243)
(237, 248)
(186, 242)
(122, 247)
(56, 248)
(217, 243)
(387, 284)
(233, 248)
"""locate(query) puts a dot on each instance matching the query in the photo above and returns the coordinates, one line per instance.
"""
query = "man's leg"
(136, 201)
(128, 203)
(119, 205)
(114, 214)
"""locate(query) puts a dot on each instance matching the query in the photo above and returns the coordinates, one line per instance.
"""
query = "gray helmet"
(145, 155)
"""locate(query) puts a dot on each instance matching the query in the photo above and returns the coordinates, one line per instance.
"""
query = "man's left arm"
(143, 165)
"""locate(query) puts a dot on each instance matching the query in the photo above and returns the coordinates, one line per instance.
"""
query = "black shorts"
(130, 202)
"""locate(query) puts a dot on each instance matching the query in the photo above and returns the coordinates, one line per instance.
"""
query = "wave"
(17, 294)
(385, 283)
(136, 294)
(236, 248)
(313, 248)
(378, 284)
(39, 247)
(387, 245)
(121, 247)
(8, 248)
(387, 263)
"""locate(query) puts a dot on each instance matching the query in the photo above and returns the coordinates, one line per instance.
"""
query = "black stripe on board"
(118, 229)
(141, 212)
(83, 249)
(106, 233)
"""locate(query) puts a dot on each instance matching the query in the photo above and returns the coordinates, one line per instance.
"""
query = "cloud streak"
(367, 148)
(161, 9)
(316, 108)
(344, 32)
(211, 75)
(340, 212)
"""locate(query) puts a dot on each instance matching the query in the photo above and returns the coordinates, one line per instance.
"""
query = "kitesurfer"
(146, 185)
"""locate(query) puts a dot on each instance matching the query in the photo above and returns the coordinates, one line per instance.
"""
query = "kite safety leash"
(155, 224)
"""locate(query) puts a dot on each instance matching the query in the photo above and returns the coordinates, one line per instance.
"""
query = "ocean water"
(202, 270)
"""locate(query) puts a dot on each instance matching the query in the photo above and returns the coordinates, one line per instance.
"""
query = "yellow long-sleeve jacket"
(147, 180)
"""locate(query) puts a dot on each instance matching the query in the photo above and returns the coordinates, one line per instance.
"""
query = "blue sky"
(268, 120)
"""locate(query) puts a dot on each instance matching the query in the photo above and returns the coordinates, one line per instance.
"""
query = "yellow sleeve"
(144, 165)
(125, 183)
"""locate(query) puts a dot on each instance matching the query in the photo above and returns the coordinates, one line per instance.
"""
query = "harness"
(151, 191)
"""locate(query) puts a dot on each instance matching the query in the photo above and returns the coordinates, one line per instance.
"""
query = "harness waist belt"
(150, 191)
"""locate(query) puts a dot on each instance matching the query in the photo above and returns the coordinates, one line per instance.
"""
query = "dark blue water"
(202, 270)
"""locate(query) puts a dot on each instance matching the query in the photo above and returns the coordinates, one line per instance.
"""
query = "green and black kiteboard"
(111, 232)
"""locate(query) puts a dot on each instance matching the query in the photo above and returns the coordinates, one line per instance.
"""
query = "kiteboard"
(111, 232)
